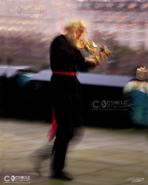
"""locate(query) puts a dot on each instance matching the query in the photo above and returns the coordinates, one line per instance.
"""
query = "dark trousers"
(66, 103)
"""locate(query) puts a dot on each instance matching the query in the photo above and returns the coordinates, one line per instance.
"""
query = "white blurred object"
(9, 71)
(135, 179)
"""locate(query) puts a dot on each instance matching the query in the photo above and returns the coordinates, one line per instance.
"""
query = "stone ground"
(102, 156)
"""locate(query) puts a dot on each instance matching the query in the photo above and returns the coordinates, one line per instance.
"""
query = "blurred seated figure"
(137, 90)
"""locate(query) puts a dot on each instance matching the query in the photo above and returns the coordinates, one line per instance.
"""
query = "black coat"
(65, 57)
(65, 90)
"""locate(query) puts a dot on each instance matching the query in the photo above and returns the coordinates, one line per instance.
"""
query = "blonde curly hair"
(75, 25)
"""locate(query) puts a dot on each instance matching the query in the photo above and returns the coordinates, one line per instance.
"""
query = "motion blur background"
(26, 30)
(106, 155)
(27, 27)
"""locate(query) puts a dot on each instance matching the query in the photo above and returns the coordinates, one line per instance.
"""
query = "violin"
(95, 54)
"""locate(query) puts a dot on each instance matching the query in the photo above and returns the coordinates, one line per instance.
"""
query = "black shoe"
(62, 176)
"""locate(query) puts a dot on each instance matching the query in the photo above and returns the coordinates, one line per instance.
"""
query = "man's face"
(80, 33)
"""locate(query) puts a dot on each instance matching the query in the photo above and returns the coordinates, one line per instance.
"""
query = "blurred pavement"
(101, 157)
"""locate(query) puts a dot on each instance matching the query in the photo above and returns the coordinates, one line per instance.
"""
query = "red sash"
(67, 73)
